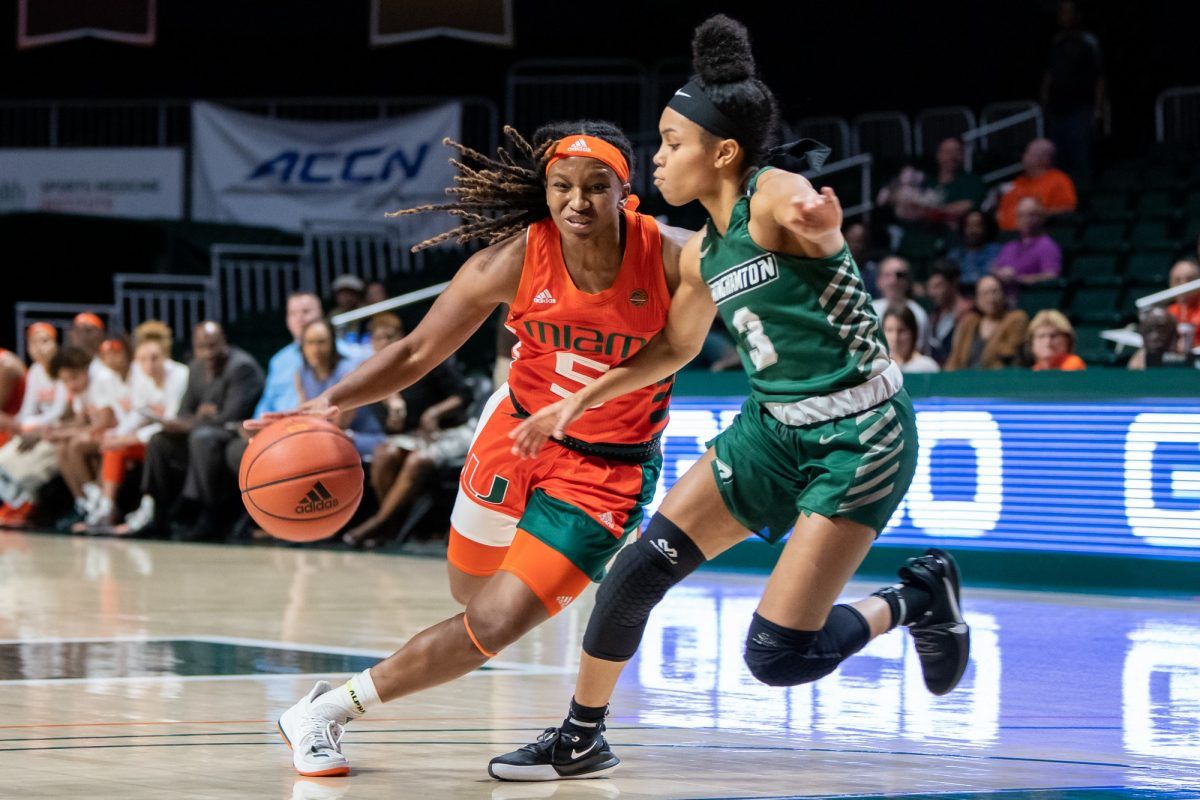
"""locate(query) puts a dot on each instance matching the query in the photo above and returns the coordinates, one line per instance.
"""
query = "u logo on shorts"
(496, 490)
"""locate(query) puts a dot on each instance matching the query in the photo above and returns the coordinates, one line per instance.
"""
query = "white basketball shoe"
(314, 732)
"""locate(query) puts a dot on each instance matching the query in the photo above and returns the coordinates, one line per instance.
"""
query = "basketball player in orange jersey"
(588, 281)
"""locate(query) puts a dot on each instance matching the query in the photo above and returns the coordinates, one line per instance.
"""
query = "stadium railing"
(59, 315)
(1177, 116)
(253, 279)
(181, 301)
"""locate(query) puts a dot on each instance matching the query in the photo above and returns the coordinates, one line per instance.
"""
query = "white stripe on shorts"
(482, 524)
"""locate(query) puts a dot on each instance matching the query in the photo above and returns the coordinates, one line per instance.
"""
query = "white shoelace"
(327, 736)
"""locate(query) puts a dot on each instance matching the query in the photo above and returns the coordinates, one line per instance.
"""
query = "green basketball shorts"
(857, 467)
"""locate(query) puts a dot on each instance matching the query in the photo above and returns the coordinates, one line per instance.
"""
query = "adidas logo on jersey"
(607, 519)
(544, 297)
(317, 499)
(579, 146)
(564, 600)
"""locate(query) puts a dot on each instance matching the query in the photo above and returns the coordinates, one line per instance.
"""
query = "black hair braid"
(501, 196)
(725, 69)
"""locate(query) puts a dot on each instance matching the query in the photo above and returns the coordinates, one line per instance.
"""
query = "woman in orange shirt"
(1052, 342)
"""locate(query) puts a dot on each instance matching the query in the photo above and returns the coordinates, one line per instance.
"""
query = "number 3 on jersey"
(758, 345)
(567, 365)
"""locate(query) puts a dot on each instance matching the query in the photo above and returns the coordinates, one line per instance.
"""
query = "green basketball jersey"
(806, 331)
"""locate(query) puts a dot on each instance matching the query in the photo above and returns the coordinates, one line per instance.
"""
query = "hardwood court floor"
(152, 670)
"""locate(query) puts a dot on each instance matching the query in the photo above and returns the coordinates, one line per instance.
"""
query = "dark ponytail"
(725, 70)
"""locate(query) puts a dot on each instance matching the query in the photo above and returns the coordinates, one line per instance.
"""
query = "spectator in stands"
(349, 292)
(95, 406)
(79, 459)
(1052, 342)
(156, 390)
(1051, 187)
(858, 239)
(224, 384)
(895, 286)
(957, 191)
(977, 246)
(430, 433)
(1186, 310)
(376, 293)
(949, 306)
(44, 403)
(900, 330)
(279, 392)
(1073, 90)
(1031, 258)
(86, 332)
(12, 393)
(991, 336)
(1160, 337)
(909, 195)
(323, 367)
(31, 461)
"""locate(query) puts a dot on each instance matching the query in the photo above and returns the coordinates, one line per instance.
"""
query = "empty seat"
(1086, 268)
(1149, 266)
(1095, 304)
(1152, 234)
(1105, 237)
(1156, 205)
(1109, 206)
(1033, 299)
(1120, 179)
(1159, 176)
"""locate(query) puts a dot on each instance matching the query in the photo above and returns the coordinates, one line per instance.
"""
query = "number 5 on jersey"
(567, 365)
(758, 344)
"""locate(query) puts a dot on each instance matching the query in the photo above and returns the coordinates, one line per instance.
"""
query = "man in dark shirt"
(223, 387)
(1073, 91)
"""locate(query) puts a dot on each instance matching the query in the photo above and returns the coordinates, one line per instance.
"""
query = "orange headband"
(42, 327)
(112, 346)
(591, 147)
(88, 318)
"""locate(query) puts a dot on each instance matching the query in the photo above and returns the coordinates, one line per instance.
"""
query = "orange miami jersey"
(555, 520)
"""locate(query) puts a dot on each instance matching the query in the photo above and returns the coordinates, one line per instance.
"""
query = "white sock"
(355, 697)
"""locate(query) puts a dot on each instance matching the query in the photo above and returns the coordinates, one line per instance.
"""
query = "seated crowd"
(125, 427)
(128, 428)
(991, 247)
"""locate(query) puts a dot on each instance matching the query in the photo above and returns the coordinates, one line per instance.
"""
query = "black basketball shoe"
(555, 757)
(942, 637)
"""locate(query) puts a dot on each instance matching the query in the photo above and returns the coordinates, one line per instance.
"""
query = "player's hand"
(529, 437)
(814, 216)
(317, 407)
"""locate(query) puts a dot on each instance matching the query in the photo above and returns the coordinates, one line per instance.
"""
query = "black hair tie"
(799, 155)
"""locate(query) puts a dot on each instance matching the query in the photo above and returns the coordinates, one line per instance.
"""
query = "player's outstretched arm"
(487, 279)
(688, 321)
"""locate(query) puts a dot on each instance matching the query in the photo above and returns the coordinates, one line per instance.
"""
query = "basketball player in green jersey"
(826, 442)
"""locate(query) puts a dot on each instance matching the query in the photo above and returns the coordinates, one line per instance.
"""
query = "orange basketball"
(301, 479)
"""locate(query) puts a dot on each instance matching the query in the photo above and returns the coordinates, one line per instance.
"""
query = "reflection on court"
(141, 670)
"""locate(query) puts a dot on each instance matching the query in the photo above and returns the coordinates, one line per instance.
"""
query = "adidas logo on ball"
(317, 499)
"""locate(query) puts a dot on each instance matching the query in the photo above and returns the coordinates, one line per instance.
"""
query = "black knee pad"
(779, 656)
(640, 577)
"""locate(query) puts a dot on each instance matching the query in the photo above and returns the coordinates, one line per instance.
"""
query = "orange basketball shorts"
(554, 521)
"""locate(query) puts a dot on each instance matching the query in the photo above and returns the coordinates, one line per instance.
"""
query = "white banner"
(262, 171)
(119, 182)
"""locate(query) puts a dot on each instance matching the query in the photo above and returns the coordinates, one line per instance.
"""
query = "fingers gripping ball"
(301, 479)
